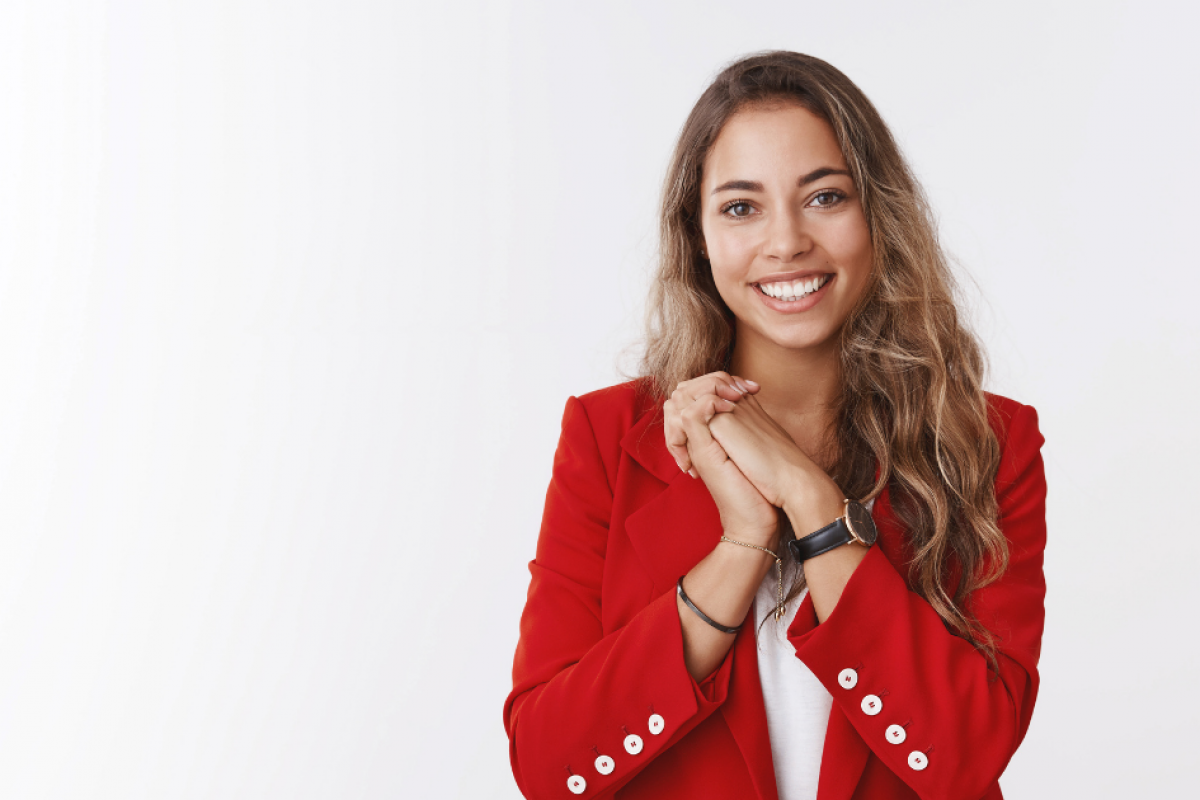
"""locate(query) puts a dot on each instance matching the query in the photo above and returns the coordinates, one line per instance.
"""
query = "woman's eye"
(825, 199)
(731, 209)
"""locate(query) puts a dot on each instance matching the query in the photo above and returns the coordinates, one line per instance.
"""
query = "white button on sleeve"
(917, 760)
(576, 784)
(633, 744)
(896, 734)
(605, 765)
(656, 724)
(848, 678)
(872, 705)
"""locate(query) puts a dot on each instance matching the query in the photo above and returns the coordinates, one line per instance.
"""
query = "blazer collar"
(646, 444)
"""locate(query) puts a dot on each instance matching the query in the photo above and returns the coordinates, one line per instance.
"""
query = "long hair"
(911, 400)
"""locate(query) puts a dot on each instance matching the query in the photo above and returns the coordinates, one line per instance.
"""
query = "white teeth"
(794, 290)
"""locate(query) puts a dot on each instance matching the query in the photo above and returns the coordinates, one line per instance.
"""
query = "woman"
(815, 570)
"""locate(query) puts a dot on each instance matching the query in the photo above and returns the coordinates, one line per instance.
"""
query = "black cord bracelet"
(701, 614)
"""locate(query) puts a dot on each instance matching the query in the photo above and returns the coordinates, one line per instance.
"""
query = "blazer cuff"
(639, 686)
(875, 577)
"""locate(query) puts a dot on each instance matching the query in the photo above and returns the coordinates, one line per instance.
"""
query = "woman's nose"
(787, 236)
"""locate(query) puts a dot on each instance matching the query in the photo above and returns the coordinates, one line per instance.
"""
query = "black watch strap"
(835, 534)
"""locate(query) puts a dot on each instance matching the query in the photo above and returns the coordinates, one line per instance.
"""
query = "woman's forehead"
(765, 142)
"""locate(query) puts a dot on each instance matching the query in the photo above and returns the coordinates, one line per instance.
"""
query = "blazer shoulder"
(613, 410)
(608, 414)
(1004, 405)
(1021, 440)
(1012, 418)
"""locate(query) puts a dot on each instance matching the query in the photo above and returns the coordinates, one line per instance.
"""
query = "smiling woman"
(810, 412)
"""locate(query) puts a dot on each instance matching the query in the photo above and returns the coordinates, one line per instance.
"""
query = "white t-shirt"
(797, 704)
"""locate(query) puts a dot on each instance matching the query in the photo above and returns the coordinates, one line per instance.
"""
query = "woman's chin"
(800, 342)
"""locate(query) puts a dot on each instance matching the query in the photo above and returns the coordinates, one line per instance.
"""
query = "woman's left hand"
(770, 459)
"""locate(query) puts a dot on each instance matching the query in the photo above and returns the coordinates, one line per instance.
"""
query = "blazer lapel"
(746, 714)
(673, 531)
(843, 759)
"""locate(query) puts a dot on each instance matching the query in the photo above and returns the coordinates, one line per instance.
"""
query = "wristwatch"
(855, 525)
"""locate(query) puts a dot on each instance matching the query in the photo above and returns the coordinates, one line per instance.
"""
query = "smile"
(793, 296)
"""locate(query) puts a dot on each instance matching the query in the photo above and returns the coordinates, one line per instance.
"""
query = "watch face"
(861, 523)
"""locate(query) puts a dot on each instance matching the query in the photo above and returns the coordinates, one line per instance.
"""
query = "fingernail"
(752, 383)
(692, 472)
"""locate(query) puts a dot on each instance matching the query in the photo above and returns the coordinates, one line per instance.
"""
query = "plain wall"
(292, 296)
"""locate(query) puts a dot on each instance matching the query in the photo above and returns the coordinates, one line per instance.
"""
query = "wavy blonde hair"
(912, 400)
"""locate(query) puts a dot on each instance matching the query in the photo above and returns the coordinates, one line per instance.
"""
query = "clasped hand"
(715, 426)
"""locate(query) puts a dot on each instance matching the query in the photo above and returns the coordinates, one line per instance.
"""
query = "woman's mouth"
(798, 295)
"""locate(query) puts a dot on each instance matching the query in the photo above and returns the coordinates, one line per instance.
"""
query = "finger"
(740, 385)
(673, 434)
(677, 444)
(728, 389)
(705, 452)
(750, 403)
(750, 386)
(722, 378)
(720, 383)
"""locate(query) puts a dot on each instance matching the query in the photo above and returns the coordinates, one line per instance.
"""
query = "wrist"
(744, 554)
(749, 547)
(812, 502)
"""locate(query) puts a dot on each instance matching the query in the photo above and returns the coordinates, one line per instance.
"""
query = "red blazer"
(600, 655)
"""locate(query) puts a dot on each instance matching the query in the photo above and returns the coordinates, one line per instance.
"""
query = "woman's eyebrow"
(755, 186)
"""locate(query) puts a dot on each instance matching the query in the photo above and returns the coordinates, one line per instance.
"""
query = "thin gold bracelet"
(778, 563)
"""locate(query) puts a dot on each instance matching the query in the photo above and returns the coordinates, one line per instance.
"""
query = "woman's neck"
(799, 388)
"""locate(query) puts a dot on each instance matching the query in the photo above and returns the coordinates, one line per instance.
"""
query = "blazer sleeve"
(884, 644)
(578, 693)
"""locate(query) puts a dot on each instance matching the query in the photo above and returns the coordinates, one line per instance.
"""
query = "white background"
(292, 296)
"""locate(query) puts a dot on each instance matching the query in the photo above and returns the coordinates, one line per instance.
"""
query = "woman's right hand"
(745, 514)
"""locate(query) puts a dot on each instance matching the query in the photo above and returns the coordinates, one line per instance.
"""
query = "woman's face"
(783, 228)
